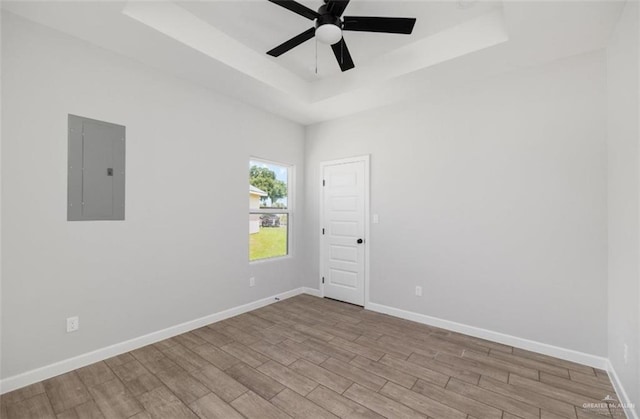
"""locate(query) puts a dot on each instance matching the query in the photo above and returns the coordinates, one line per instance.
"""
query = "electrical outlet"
(73, 324)
(419, 291)
(626, 353)
(375, 219)
(252, 281)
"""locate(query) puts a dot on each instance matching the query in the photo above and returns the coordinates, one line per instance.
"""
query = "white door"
(344, 212)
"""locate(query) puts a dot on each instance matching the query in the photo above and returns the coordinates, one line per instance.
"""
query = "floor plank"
(545, 359)
(531, 363)
(384, 371)
(245, 354)
(474, 366)
(185, 358)
(304, 351)
(258, 382)
(183, 385)
(136, 377)
(355, 374)
(380, 404)
(220, 383)
(216, 356)
(114, 400)
(331, 351)
(276, 353)
(415, 370)
(66, 391)
(546, 403)
(23, 393)
(88, 410)
(36, 407)
(239, 335)
(288, 377)
(213, 337)
(574, 386)
(493, 362)
(119, 360)
(213, 407)
(340, 405)
(499, 401)
(300, 407)
(321, 375)
(189, 340)
(545, 389)
(446, 369)
(478, 409)
(421, 403)
(147, 354)
(361, 350)
(592, 380)
(255, 407)
(161, 403)
(395, 350)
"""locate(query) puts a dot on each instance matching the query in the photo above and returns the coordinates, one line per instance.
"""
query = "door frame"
(367, 189)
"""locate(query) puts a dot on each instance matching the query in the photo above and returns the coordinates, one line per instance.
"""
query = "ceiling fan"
(329, 25)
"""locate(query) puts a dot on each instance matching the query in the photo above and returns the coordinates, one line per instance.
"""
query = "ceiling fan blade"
(336, 7)
(298, 8)
(292, 43)
(379, 24)
(343, 56)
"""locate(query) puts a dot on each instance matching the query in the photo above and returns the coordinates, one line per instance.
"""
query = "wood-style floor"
(307, 357)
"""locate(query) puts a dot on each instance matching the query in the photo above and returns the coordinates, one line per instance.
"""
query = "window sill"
(267, 260)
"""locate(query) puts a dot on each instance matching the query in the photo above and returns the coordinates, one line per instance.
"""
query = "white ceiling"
(222, 45)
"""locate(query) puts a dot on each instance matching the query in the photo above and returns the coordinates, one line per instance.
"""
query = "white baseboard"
(623, 397)
(531, 345)
(312, 291)
(61, 367)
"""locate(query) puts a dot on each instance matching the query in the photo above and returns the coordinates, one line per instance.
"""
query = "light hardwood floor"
(307, 357)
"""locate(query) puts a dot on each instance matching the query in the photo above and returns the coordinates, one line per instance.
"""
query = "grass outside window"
(269, 242)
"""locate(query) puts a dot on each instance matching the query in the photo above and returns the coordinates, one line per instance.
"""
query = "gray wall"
(181, 253)
(492, 197)
(623, 190)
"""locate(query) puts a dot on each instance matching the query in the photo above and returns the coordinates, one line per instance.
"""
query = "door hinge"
(323, 231)
(323, 183)
(323, 279)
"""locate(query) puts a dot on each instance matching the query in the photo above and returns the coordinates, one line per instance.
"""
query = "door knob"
(360, 241)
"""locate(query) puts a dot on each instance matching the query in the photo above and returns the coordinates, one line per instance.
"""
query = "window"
(269, 210)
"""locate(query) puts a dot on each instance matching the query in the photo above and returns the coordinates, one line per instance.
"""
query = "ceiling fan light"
(328, 34)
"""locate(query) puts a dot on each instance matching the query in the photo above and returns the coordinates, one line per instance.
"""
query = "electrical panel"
(96, 177)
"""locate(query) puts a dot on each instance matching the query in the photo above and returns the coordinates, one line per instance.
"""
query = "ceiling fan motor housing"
(327, 18)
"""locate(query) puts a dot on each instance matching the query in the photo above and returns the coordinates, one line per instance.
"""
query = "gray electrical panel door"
(96, 170)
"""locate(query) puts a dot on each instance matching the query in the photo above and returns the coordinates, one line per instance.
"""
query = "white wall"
(623, 193)
(182, 251)
(492, 197)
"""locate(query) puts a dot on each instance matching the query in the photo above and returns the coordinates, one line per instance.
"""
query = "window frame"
(289, 210)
